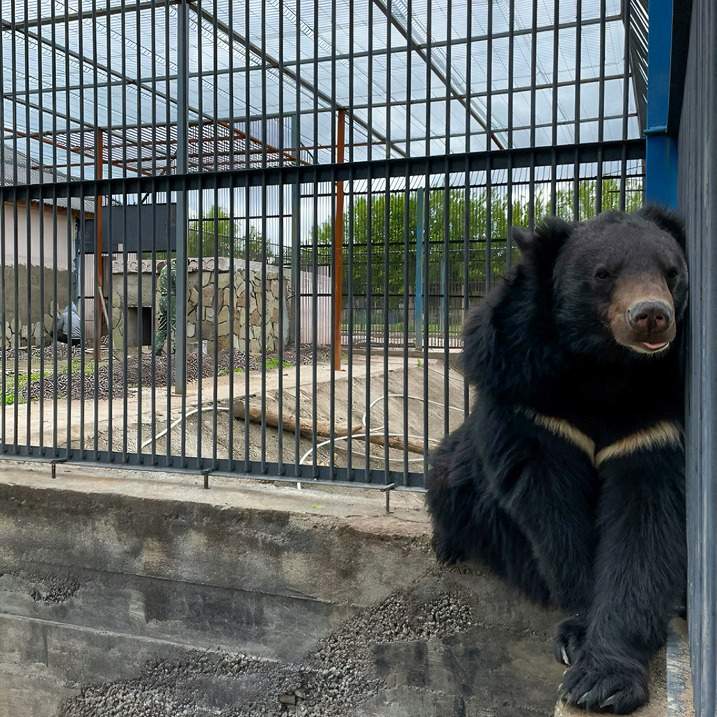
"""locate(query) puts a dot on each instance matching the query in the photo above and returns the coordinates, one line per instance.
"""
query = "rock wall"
(217, 307)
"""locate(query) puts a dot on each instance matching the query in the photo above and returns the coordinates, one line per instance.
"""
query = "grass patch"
(14, 393)
(273, 364)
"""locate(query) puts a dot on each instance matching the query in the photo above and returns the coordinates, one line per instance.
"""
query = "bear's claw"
(569, 640)
(605, 684)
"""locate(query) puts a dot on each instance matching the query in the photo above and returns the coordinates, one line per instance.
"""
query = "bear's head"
(619, 282)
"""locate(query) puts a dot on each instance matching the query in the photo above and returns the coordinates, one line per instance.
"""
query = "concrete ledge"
(142, 594)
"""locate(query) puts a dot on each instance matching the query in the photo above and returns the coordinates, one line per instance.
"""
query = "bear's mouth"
(645, 347)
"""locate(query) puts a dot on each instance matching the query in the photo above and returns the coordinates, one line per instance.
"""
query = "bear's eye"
(672, 273)
(602, 274)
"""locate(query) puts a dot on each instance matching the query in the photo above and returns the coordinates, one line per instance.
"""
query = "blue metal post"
(418, 302)
(661, 143)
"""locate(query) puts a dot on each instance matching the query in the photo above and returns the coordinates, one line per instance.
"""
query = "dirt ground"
(384, 397)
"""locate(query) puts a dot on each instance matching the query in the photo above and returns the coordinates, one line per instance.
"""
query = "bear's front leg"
(639, 570)
(541, 470)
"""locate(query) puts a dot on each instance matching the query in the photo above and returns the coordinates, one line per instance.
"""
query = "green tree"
(380, 234)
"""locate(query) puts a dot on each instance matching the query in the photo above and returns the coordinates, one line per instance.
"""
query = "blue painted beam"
(661, 144)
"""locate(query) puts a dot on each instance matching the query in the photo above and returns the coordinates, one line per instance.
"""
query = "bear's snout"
(642, 314)
(650, 317)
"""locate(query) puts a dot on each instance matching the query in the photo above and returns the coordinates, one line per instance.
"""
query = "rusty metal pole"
(99, 264)
(339, 241)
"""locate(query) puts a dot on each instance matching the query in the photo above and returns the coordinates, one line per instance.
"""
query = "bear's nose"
(650, 316)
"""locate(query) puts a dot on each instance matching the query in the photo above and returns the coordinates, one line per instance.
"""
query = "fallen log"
(323, 429)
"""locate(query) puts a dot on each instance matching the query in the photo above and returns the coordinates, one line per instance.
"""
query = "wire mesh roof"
(87, 83)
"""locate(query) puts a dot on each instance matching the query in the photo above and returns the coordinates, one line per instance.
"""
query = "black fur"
(605, 543)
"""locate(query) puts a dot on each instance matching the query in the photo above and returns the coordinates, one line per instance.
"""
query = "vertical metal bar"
(510, 170)
(314, 256)
(488, 240)
(533, 82)
(125, 263)
(170, 365)
(15, 219)
(578, 84)
(180, 346)
(110, 250)
(338, 249)
(41, 163)
(351, 242)
(263, 257)
(369, 246)
(216, 295)
(447, 234)
(626, 81)
(79, 237)
(28, 295)
(387, 250)
(429, 238)
(153, 278)
(467, 228)
(337, 129)
(217, 289)
(280, 258)
(407, 237)
(201, 223)
(233, 305)
(99, 248)
(296, 253)
(247, 229)
(28, 235)
(601, 111)
(232, 240)
(202, 233)
(140, 246)
(71, 297)
(554, 116)
(420, 262)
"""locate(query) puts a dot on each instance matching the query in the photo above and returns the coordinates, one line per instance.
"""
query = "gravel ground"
(330, 682)
(146, 372)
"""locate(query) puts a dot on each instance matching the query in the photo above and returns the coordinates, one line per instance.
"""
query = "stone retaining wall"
(205, 286)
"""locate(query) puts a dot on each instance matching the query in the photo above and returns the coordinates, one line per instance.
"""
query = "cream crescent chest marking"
(660, 435)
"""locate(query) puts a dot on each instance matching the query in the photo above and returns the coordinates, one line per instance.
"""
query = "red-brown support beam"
(339, 241)
(99, 269)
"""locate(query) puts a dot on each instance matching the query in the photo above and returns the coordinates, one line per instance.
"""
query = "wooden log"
(323, 428)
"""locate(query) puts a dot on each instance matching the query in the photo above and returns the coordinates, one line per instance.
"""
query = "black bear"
(567, 477)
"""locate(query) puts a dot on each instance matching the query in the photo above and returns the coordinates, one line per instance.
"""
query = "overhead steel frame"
(117, 132)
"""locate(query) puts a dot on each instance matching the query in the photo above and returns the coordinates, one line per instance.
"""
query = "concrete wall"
(41, 222)
(23, 270)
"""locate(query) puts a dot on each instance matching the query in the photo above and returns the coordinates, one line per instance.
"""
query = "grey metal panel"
(698, 179)
(126, 222)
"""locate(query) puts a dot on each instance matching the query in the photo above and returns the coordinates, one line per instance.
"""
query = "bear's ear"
(667, 221)
(522, 238)
(543, 244)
